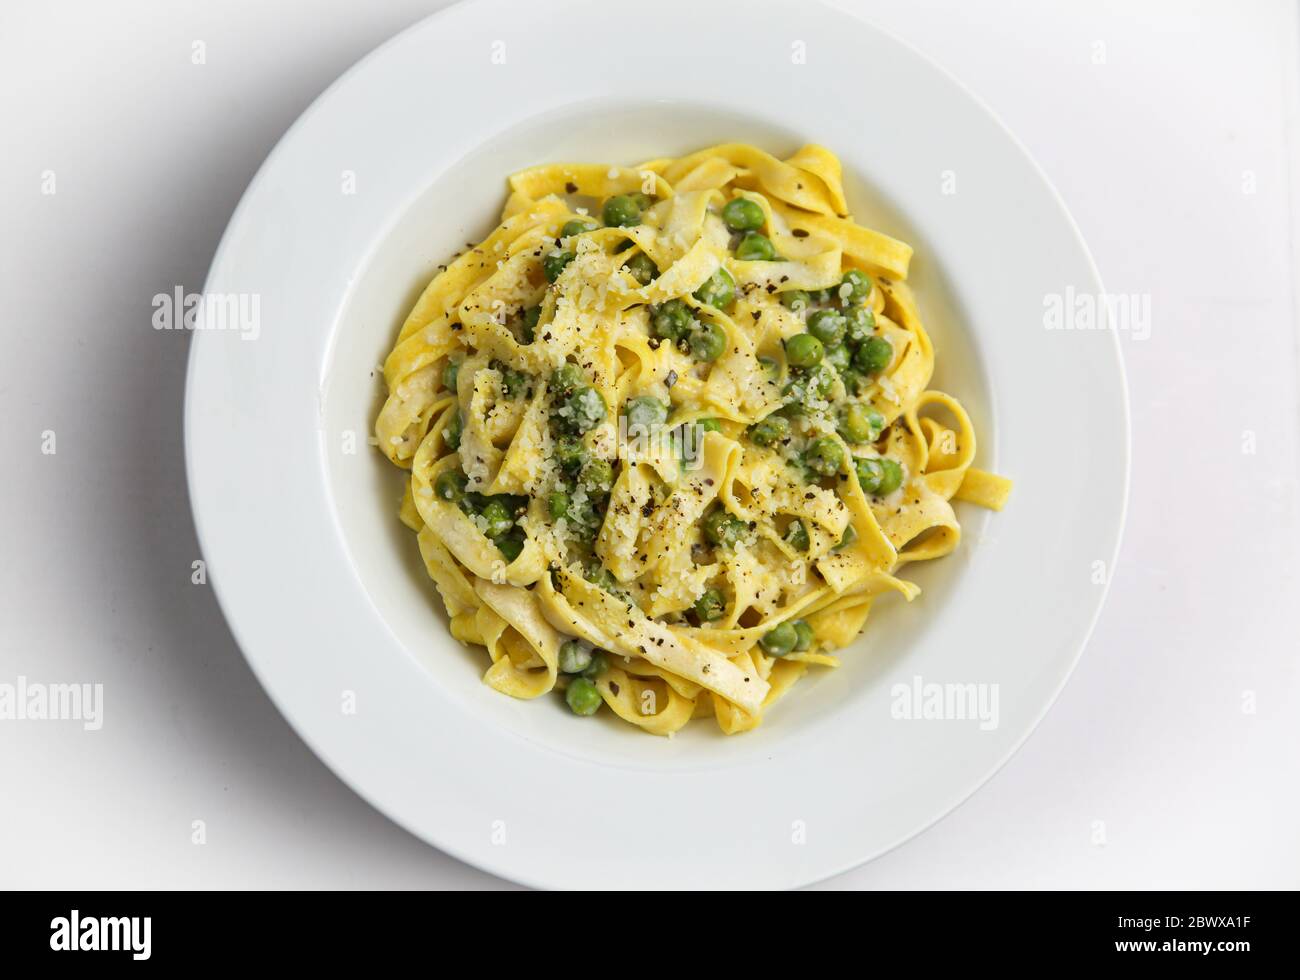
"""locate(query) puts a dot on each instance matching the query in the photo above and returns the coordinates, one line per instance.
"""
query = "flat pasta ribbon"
(668, 434)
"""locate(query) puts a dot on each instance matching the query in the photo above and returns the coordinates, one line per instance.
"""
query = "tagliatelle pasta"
(670, 434)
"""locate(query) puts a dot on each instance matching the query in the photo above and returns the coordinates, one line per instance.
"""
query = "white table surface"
(1173, 133)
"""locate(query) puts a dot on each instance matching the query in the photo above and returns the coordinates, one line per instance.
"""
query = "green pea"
(796, 535)
(643, 268)
(583, 697)
(780, 640)
(554, 264)
(827, 326)
(878, 476)
(869, 472)
(567, 377)
(722, 528)
(450, 486)
(847, 538)
(755, 248)
(558, 503)
(803, 350)
(839, 357)
(860, 423)
(859, 284)
(575, 657)
(861, 323)
(804, 634)
(642, 201)
(450, 372)
(597, 665)
(709, 425)
(771, 367)
(621, 211)
(873, 356)
(893, 476)
(821, 380)
(585, 409)
(710, 606)
(741, 214)
(645, 413)
(795, 300)
(707, 342)
(670, 320)
(577, 226)
(598, 476)
(511, 544)
(600, 576)
(498, 517)
(771, 430)
(570, 453)
(824, 456)
(718, 291)
(514, 382)
(528, 324)
(806, 384)
(855, 382)
(451, 434)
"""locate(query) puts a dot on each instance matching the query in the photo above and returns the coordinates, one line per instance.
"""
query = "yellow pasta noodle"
(670, 434)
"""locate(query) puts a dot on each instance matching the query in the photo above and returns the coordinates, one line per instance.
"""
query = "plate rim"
(447, 842)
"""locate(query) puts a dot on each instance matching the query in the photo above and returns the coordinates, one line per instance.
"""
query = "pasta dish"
(670, 434)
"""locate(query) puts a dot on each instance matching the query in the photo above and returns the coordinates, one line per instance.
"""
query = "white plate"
(323, 587)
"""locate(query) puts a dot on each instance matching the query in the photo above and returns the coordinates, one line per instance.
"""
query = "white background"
(1171, 760)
